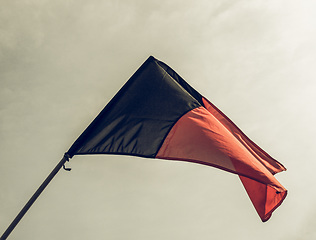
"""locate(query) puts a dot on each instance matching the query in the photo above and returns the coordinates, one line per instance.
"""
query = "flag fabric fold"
(157, 114)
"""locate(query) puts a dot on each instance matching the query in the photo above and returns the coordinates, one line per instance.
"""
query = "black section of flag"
(138, 118)
(181, 81)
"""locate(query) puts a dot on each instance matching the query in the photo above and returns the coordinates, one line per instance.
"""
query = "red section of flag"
(264, 197)
(208, 137)
(271, 164)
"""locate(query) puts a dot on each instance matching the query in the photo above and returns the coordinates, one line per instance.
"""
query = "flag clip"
(66, 157)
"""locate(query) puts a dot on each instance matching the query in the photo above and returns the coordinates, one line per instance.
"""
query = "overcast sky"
(61, 61)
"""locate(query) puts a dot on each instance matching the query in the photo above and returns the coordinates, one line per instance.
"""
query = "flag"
(157, 114)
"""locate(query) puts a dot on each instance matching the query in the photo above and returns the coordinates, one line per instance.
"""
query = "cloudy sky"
(60, 63)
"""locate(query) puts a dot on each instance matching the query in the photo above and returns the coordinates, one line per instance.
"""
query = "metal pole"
(34, 197)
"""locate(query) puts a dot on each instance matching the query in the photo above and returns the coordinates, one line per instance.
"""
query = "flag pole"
(35, 196)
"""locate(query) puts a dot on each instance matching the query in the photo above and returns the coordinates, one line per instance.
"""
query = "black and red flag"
(157, 114)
